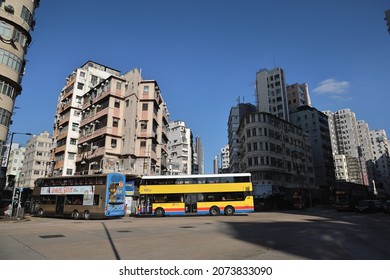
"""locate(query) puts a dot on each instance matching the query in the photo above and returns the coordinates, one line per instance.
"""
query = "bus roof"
(196, 176)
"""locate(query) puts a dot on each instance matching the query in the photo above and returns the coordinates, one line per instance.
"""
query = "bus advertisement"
(84, 196)
(212, 194)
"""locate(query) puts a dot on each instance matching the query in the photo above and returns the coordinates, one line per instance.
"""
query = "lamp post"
(8, 158)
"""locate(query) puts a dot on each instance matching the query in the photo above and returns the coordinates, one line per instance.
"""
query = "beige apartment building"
(123, 127)
(66, 129)
(36, 159)
(16, 23)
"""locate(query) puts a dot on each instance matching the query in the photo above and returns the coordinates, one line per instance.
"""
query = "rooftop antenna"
(238, 100)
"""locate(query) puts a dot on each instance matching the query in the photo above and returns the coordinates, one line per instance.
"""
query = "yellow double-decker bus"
(212, 194)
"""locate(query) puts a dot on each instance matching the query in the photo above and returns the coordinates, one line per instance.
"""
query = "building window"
(144, 106)
(26, 15)
(146, 90)
(5, 30)
(116, 104)
(80, 86)
(5, 117)
(113, 143)
(73, 141)
(94, 80)
(115, 122)
(118, 85)
(69, 171)
(71, 156)
(10, 60)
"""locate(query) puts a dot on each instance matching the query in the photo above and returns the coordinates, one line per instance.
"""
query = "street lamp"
(8, 158)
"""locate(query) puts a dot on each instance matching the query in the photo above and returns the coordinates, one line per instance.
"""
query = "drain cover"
(52, 236)
(187, 227)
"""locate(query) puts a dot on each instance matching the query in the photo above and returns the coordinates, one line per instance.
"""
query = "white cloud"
(332, 87)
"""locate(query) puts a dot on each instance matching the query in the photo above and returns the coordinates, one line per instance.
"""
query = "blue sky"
(205, 54)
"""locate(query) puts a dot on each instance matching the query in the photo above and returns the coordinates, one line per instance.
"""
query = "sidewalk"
(6, 219)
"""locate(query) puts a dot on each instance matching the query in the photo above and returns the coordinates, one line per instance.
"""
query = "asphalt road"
(319, 233)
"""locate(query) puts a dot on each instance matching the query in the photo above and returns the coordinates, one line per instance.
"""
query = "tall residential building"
(36, 159)
(276, 152)
(109, 122)
(198, 160)
(380, 150)
(315, 124)
(332, 131)
(123, 128)
(235, 117)
(180, 148)
(216, 168)
(271, 92)
(346, 142)
(298, 95)
(346, 132)
(66, 130)
(365, 152)
(15, 163)
(16, 23)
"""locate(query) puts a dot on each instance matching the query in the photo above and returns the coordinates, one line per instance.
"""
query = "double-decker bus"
(212, 194)
(346, 195)
(83, 196)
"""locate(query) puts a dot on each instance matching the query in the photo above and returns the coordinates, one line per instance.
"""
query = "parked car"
(386, 206)
(4, 203)
(369, 206)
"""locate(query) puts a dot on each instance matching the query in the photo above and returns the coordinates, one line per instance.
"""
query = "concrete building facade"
(297, 95)
(180, 148)
(36, 160)
(235, 116)
(276, 152)
(271, 92)
(315, 124)
(16, 24)
(66, 129)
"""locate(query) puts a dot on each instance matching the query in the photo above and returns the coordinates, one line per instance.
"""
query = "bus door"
(60, 204)
(145, 204)
(190, 201)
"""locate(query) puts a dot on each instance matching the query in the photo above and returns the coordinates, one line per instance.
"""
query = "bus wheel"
(229, 210)
(214, 211)
(75, 215)
(159, 212)
(87, 215)
(40, 213)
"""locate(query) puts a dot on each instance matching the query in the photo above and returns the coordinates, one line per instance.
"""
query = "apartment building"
(365, 152)
(36, 159)
(271, 92)
(16, 24)
(123, 127)
(380, 150)
(315, 124)
(66, 129)
(198, 157)
(347, 143)
(15, 163)
(235, 116)
(276, 152)
(298, 95)
(180, 148)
